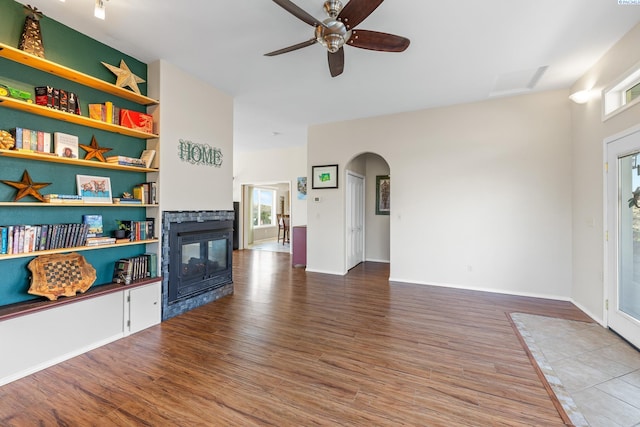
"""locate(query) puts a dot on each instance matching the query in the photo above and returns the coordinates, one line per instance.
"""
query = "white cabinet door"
(144, 307)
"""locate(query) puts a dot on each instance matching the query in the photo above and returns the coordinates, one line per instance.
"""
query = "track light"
(99, 10)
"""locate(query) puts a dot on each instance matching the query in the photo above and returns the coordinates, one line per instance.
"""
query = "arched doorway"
(376, 230)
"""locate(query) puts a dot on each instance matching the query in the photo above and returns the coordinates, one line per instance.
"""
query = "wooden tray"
(60, 275)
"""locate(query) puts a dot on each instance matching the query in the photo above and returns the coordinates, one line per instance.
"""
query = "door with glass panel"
(623, 249)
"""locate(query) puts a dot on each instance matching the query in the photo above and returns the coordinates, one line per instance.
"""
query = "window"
(622, 94)
(264, 207)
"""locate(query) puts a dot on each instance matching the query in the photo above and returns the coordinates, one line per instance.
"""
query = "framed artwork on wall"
(94, 189)
(383, 195)
(325, 176)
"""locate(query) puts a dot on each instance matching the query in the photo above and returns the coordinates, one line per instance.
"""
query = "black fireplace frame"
(181, 287)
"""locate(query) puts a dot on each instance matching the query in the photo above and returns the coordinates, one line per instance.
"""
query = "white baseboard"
(595, 318)
(491, 290)
(384, 261)
(51, 362)
(334, 273)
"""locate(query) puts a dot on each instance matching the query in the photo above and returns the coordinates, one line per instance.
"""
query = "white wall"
(194, 111)
(273, 166)
(588, 134)
(481, 194)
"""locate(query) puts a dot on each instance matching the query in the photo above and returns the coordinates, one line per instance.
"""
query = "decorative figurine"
(125, 77)
(27, 187)
(94, 150)
(31, 38)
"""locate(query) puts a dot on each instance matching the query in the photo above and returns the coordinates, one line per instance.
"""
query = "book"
(99, 241)
(152, 264)
(139, 193)
(46, 143)
(4, 236)
(62, 198)
(10, 239)
(65, 145)
(94, 221)
(125, 160)
(147, 156)
(96, 112)
(108, 114)
(123, 271)
(34, 140)
(126, 201)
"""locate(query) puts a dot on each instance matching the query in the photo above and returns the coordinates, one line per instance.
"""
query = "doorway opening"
(263, 210)
(367, 226)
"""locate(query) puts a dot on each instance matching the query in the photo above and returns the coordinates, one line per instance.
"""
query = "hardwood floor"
(296, 348)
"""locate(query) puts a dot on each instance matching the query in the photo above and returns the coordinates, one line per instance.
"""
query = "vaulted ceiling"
(461, 51)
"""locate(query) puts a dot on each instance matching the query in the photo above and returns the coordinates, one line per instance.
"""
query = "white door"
(623, 249)
(355, 219)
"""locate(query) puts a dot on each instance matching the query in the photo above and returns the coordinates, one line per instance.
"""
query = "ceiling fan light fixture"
(333, 7)
(333, 35)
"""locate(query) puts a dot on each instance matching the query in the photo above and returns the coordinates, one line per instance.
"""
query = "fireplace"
(197, 259)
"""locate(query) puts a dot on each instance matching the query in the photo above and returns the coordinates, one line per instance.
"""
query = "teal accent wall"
(65, 46)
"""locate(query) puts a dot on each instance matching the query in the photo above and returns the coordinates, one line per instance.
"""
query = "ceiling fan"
(338, 30)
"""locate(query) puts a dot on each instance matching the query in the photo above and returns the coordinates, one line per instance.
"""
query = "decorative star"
(27, 187)
(94, 150)
(125, 77)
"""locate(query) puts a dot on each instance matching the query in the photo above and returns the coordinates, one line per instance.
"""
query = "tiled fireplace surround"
(184, 305)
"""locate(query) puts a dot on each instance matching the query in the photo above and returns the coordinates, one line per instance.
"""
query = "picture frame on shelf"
(383, 195)
(94, 189)
(325, 176)
(65, 145)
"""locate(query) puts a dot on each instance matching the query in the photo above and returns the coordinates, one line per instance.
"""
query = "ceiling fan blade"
(336, 62)
(298, 12)
(374, 40)
(291, 48)
(357, 11)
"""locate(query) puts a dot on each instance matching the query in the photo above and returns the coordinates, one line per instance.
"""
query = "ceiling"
(461, 51)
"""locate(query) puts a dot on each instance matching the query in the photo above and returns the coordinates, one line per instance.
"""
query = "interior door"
(623, 249)
(355, 219)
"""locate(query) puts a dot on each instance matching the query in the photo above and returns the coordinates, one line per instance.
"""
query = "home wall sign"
(199, 154)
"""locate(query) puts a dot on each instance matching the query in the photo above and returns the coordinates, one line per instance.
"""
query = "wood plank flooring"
(302, 349)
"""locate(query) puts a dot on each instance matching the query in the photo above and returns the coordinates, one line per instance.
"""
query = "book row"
(129, 270)
(20, 239)
(58, 99)
(33, 140)
(137, 230)
(110, 113)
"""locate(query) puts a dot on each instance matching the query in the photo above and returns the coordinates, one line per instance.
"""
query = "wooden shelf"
(76, 249)
(76, 162)
(32, 306)
(47, 66)
(39, 110)
(60, 205)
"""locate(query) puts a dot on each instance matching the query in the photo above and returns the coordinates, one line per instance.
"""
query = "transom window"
(264, 207)
(622, 94)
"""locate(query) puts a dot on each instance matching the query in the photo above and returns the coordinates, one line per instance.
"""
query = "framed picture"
(302, 188)
(324, 176)
(383, 195)
(94, 189)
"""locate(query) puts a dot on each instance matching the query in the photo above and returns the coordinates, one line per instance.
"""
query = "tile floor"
(271, 246)
(593, 372)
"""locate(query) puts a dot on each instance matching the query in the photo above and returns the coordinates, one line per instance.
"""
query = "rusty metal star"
(27, 187)
(94, 150)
